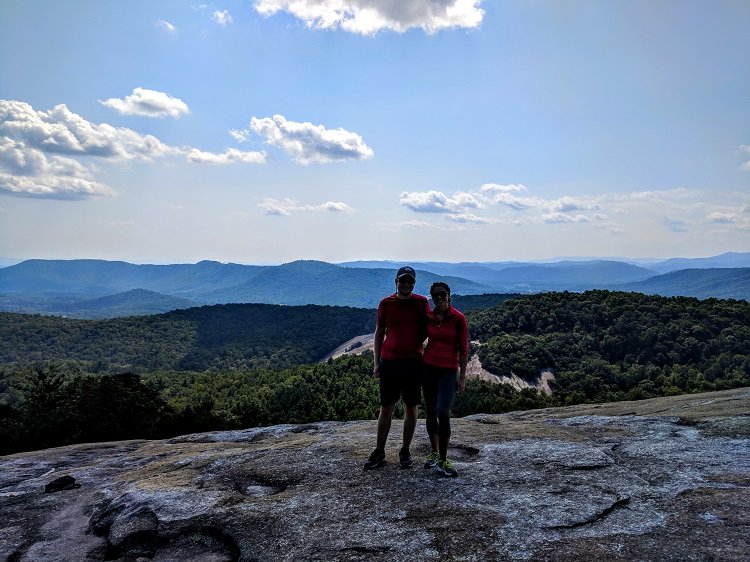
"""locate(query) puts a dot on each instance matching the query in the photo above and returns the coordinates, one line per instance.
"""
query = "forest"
(77, 381)
(216, 338)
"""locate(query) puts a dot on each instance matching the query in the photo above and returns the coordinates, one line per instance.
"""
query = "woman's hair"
(442, 284)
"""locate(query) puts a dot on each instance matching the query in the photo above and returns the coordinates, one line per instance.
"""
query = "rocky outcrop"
(474, 369)
(663, 479)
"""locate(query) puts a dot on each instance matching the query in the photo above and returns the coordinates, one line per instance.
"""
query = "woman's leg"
(446, 394)
(430, 393)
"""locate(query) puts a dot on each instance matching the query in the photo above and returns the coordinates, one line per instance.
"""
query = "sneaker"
(376, 460)
(445, 467)
(432, 460)
(404, 458)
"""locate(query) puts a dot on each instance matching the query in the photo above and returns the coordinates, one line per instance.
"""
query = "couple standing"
(404, 321)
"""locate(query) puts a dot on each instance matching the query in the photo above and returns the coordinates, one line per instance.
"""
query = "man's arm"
(377, 345)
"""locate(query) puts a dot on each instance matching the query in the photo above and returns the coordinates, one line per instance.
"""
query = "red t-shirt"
(403, 320)
(446, 339)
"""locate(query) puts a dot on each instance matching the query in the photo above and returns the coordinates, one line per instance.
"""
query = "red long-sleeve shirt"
(447, 339)
(403, 320)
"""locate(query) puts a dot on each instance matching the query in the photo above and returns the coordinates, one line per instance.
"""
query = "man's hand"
(461, 385)
(376, 371)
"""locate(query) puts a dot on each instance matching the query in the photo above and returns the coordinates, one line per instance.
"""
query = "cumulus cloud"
(38, 151)
(223, 18)
(511, 197)
(148, 103)
(494, 188)
(165, 25)
(61, 131)
(506, 195)
(239, 136)
(560, 218)
(308, 143)
(28, 171)
(567, 204)
(468, 218)
(285, 207)
(229, 156)
(438, 202)
(367, 17)
(722, 218)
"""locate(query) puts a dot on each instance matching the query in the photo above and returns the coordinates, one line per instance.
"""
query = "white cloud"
(722, 218)
(223, 18)
(229, 156)
(239, 136)
(438, 202)
(148, 103)
(494, 188)
(468, 218)
(367, 17)
(165, 25)
(28, 171)
(555, 218)
(61, 131)
(308, 143)
(567, 204)
(497, 194)
(38, 151)
(286, 207)
(334, 207)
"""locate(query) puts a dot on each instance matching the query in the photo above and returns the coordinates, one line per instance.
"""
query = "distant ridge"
(59, 286)
(726, 260)
(722, 283)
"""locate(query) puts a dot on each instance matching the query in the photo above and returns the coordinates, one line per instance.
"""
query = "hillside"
(210, 337)
(661, 479)
(608, 346)
(722, 283)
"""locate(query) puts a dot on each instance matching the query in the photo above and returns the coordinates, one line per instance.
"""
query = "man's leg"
(410, 423)
(384, 424)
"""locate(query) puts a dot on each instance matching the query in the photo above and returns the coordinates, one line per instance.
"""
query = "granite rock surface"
(662, 479)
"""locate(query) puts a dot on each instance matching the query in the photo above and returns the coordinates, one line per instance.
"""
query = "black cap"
(406, 270)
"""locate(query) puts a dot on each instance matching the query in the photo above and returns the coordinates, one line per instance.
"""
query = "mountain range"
(100, 288)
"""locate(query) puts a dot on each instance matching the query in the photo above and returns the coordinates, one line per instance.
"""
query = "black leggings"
(439, 387)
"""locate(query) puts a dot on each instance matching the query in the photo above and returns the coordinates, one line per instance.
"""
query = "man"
(399, 335)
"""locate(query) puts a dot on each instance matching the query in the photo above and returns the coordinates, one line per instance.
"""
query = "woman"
(444, 357)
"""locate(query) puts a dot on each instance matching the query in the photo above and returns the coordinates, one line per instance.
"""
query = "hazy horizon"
(7, 261)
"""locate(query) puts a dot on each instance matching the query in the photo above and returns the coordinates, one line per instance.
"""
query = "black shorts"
(400, 378)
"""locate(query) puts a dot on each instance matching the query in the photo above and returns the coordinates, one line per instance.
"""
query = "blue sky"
(264, 131)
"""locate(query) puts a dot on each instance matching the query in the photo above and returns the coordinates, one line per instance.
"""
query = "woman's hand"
(461, 385)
